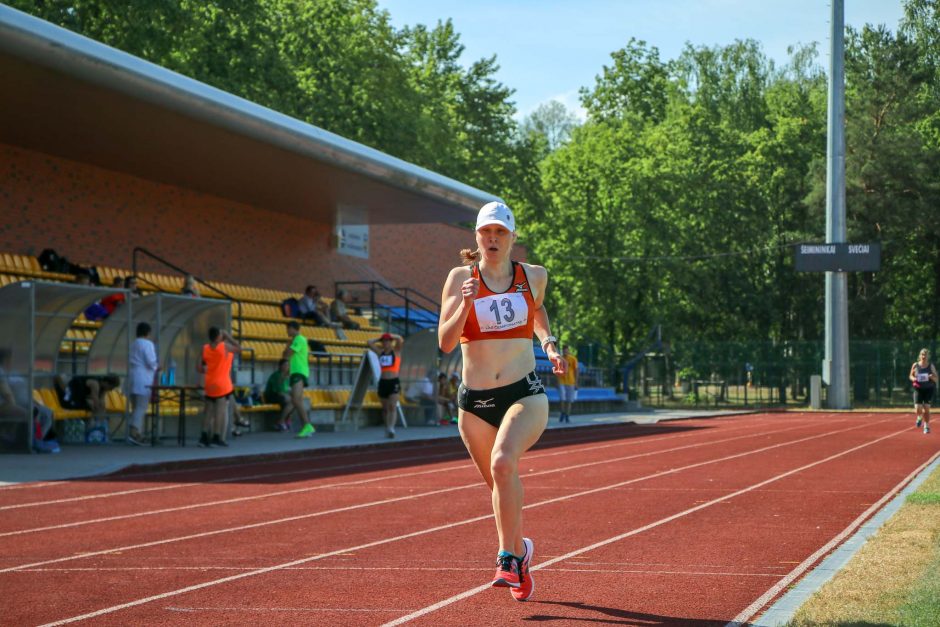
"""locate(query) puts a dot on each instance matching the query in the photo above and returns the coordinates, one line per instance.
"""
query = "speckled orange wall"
(95, 216)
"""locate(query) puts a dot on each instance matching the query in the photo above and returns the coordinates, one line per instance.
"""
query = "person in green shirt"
(277, 390)
(297, 353)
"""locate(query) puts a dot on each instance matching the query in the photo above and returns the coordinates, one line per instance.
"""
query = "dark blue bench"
(587, 395)
(419, 317)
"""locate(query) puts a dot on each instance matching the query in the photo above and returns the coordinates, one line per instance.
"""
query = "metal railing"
(383, 296)
(169, 264)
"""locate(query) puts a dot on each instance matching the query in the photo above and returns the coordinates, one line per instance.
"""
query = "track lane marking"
(448, 526)
(273, 462)
(468, 593)
(748, 613)
(470, 567)
(404, 447)
(424, 494)
(462, 466)
(654, 438)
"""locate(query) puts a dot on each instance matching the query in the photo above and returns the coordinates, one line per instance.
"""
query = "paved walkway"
(85, 460)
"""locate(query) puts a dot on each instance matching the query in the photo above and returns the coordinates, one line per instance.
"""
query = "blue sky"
(548, 49)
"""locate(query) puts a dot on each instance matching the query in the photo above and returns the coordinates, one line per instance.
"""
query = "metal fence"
(762, 374)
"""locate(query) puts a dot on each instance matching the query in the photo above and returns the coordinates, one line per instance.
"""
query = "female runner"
(492, 306)
(923, 376)
(388, 348)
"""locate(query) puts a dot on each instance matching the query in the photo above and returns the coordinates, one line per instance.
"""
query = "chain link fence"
(766, 374)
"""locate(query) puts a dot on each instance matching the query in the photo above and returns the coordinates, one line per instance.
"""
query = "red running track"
(694, 522)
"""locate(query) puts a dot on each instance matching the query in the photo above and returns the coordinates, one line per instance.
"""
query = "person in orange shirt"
(568, 385)
(216, 366)
(491, 307)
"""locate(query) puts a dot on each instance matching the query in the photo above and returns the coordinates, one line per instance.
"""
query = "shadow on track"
(614, 616)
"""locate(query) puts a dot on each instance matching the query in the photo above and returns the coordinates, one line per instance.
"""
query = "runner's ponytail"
(470, 257)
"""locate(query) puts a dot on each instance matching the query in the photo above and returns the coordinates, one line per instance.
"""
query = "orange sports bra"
(501, 315)
(390, 362)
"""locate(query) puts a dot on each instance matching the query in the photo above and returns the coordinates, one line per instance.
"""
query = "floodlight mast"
(836, 363)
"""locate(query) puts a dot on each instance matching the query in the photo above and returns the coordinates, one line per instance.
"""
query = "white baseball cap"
(496, 213)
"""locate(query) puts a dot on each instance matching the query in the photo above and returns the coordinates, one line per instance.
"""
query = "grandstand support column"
(836, 364)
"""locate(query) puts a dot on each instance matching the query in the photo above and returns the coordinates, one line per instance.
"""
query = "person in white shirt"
(421, 392)
(143, 366)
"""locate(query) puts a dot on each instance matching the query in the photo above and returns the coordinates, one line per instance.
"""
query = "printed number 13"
(507, 304)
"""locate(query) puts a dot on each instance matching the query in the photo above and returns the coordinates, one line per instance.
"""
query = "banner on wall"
(352, 232)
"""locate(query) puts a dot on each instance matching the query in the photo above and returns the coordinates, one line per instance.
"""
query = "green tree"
(553, 121)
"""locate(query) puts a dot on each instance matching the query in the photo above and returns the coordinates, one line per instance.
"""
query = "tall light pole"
(836, 364)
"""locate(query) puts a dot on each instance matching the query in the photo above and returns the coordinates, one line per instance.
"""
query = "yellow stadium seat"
(323, 334)
(371, 400)
(51, 400)
(116, 402)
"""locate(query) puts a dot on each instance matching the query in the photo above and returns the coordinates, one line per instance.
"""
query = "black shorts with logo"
(387, 387)
(492, 404)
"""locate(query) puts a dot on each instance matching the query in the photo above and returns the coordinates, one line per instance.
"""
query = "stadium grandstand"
(128, 169)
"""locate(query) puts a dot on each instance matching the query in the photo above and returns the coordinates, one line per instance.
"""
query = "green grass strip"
(922, 608)
(924, 498)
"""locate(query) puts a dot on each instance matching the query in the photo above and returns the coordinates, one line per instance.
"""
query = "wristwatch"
(551, 339)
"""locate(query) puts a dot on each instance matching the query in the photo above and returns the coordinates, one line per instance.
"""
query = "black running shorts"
(492, 404)
(923, 396)
(388, 387)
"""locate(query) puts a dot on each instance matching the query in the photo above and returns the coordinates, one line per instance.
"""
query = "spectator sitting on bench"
(421, 392)
(312, 307)
(86, 392)
(339, 313)
(14, 405)
(446, 402)
(277, 391)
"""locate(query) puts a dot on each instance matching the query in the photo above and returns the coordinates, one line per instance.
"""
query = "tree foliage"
(675, 203)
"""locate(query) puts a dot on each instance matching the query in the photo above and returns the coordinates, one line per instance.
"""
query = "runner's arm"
(456, 301)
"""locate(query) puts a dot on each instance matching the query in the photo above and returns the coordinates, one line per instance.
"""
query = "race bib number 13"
(501, 312)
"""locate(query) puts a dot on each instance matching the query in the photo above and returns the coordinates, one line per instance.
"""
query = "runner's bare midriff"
(495, 363)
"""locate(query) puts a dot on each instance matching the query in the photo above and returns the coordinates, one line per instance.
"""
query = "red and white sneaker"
(526, 582)
(507, 572)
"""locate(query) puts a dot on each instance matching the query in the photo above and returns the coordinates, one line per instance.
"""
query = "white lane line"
(748, 613)
(175, 486)
(462, 569)
(271, 475)
(240, 499)
(413, 534)
(433, 493)
(462, 466)
(241, 466)
(405, 447)
(633, 532)
(345, 467)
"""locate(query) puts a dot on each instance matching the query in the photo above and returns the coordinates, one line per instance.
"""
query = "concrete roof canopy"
(70, 96)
